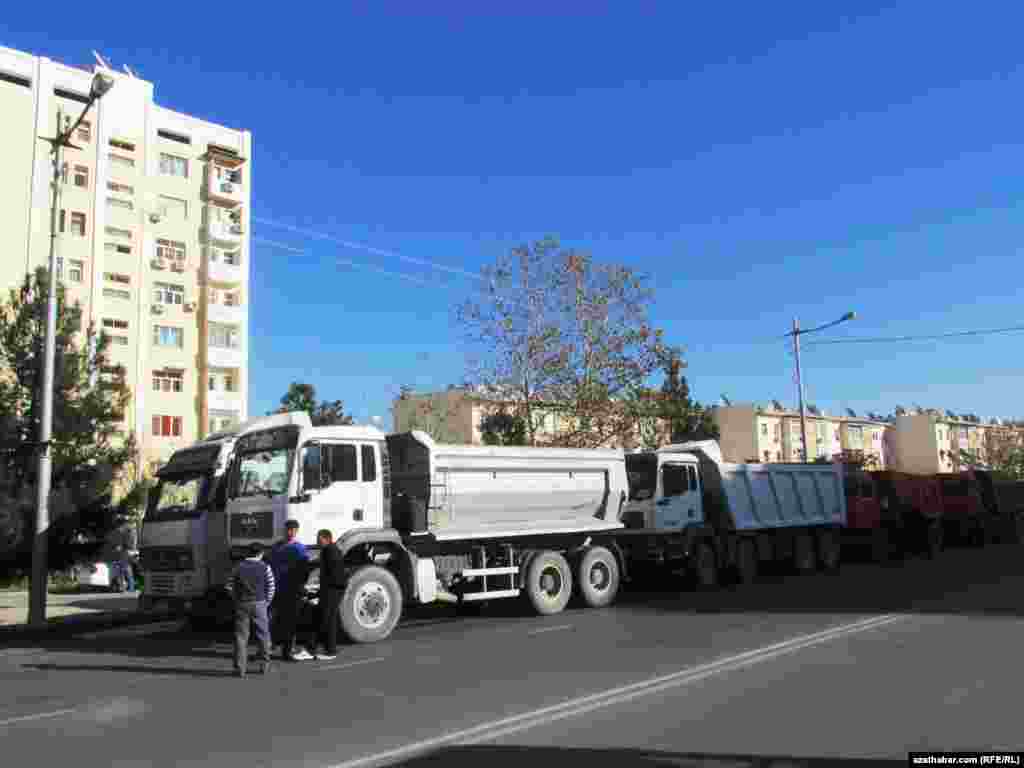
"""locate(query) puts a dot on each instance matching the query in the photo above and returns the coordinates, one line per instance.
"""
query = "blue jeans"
(125, 569)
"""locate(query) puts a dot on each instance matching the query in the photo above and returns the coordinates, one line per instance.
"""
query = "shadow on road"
(542, 757)
(130, 668)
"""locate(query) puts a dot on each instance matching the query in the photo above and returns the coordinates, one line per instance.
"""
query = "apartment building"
(153, 221)
(934, 441)
(772, 434)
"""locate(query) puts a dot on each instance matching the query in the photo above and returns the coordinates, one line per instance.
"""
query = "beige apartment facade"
(153, 221)
(771, 434)
(931, 442)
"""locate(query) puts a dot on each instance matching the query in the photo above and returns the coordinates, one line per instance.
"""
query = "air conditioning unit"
(158, 263)
(158, 309)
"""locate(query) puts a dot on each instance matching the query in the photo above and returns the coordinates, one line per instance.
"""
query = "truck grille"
(160, 583)
(165, 558)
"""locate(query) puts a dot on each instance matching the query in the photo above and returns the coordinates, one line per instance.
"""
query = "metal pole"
(800, 387)
(40, 571)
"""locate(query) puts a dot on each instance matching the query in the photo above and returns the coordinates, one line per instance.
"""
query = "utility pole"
(800, 387)
(40, 572)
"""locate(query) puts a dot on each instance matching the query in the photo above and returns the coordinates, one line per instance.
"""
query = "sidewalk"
(73, 610)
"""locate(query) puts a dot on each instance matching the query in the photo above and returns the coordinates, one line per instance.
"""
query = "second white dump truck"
(418, 521)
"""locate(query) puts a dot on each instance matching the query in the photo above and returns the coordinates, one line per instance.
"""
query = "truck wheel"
(803, 553)
(548, 583)
(829, 553)
(705, 567)
(746, 561)
(597, 577)
(934, 538)
(371, 605)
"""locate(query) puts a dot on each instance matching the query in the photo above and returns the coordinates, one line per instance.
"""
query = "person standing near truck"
(252, 587)
(331, 580)
(289, 561)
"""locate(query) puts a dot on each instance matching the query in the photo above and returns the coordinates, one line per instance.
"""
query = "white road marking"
(584, 704)
(354, 663)
(39, 716)
(559, 628)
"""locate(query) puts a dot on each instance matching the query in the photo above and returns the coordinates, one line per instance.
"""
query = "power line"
(368, 248)
(935, 337)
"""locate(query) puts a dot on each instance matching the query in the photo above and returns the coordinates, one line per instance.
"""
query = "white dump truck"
(687, 508)
(417, 521)
(184, 555)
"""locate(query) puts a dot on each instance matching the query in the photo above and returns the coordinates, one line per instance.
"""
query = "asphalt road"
(862, 665)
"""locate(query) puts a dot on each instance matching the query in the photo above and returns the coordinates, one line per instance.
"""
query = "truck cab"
(183, 552)
(664, 491)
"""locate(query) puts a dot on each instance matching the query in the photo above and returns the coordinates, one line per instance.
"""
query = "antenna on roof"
(778, 405)
(102, 62)
(851, 413)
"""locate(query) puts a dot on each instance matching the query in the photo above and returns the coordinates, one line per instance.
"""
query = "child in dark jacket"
(252, 586)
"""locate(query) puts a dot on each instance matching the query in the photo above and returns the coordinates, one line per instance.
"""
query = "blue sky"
(760, 161)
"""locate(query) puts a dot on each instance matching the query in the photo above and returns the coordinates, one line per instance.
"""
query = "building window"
(223, 336)
(166, 336)
(174, 208)
(180, 138)
(123, 189)
(76, 269)
(119, 324)
(121, 161)
(172, 165)
(123, 234)
(78, 224)
(166, 293)
(764, 430)
(232, 300)
(126, 205)
(121, 341)
(117, 248)
(167, 426)
(222, 381)
(117, 277)
(116, 293)
(213, 295)
(79, 175)
(171, 250)
(230, 258)
(167, 381)
(123, 145)
(84, 132)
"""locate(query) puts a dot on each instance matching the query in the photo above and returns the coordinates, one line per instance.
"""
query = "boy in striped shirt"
(252, 586)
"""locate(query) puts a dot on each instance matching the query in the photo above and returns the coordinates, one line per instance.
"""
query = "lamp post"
(796, 333)
(37, 598)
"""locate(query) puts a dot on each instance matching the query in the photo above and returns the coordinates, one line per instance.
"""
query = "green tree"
(556, 331)
(302, 397)
(90, 398)
(432, 414)
(688, 420)
(503, 428)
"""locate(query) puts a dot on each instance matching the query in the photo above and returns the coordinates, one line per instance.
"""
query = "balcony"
(224, 184)
(225, 357)
(218, 271)
(224, 231)
(220, 400)
(223, 313)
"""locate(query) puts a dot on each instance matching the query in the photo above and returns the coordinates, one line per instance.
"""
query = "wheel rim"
(372, 605)
(600, 577)
(551, 582)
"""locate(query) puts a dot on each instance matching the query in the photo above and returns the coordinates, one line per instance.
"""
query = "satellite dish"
(851, 413)
(726, 401)
(778, 405)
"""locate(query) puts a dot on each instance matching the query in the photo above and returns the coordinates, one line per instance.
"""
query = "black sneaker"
(264, 667)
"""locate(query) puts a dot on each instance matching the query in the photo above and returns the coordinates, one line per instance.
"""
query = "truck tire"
(548, 583)
(804, 558)
(704, 566)
(829, 552)
(746, 561)
(371, 605)
(597, 577)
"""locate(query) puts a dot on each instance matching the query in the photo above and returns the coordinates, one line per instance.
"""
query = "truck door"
(679, 499)
(370, 512)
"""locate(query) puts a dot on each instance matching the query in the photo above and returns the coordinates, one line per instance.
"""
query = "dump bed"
(756, 496)
(465, 491)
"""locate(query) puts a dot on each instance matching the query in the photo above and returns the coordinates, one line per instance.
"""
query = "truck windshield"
(642, 470)
(264, 473)
(178, 498)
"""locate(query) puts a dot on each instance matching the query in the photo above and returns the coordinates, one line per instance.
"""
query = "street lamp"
(101, 84)
(796, 333)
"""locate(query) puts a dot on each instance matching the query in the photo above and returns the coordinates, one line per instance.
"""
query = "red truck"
(916, 502)
(870, 529)
(967, 518)
(1003, 496)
